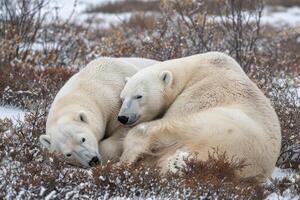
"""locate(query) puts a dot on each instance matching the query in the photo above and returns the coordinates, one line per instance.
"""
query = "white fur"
(208, 103)
(85, 109)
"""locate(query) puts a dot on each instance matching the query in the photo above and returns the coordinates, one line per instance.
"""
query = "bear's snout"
(123, 119)
(94, 161)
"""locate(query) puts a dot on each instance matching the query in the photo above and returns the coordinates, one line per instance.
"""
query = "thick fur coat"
(82, 122)
(201, 103)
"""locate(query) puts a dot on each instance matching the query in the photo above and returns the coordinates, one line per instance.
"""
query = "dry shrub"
(285, 3)
(125, 6)
(55, 74)
(218, 166)
(22, 85)
(276, 72)
(27, 171)
(20, 21)
(29, 46)
(142, 22)
(186, 28)
(286, 101)
(65, 45)
(115, 45)
(288, 187)
(26, 37)
(280, 50)
(217, 175)
(269, 56)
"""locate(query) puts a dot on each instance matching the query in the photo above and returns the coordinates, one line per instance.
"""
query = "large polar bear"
(82, 122)
(203, 103)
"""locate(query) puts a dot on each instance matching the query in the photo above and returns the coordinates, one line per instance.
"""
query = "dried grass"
(30, 80)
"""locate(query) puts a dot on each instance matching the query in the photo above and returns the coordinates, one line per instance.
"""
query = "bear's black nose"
(123, 119)
(94, 161)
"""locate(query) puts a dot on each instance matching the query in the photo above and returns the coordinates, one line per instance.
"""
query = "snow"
(51, 195)
(104, 20)
(292, 87)
(285, 16)
(43, 190)
(73, 10)
(39, 46)
(286, 195)
(278, 18)
(69, 9)
(11, 113)
(281, 174)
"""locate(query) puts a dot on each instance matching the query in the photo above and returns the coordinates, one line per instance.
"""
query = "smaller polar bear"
(204, 102)
(82, 122)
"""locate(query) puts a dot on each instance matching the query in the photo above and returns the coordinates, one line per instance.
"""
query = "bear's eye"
(138, 96)
(83, 140)
(68, 155)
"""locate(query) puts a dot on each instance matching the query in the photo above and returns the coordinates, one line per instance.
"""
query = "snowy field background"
(74, 10)
(278, 174)
(68, 42)
(11, 113)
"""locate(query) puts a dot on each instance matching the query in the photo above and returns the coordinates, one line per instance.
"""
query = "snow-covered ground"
(71, 9)
(286, 195)
(281, 174)
(290, 84)
(283, 16)
(11, 113)
(74, 10)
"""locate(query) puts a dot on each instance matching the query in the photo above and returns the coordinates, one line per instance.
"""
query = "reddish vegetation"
(30, 79)
(30, 168)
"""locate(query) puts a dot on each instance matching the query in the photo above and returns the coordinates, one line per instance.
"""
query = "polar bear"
(201, 103)
(82, 122)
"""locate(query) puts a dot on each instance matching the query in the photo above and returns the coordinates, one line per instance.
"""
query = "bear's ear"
(126, 79)
(166, 77)
(45, 141)
(81, 117)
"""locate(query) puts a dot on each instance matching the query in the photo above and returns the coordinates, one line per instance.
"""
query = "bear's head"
(73, 137)
(145, 96)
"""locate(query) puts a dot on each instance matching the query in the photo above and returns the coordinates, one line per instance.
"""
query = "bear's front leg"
(135, 143)
(111, 148)
(159, 134)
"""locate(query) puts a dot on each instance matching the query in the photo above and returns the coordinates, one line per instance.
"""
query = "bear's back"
(97, 87)
(101, 76)
(222, 85)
